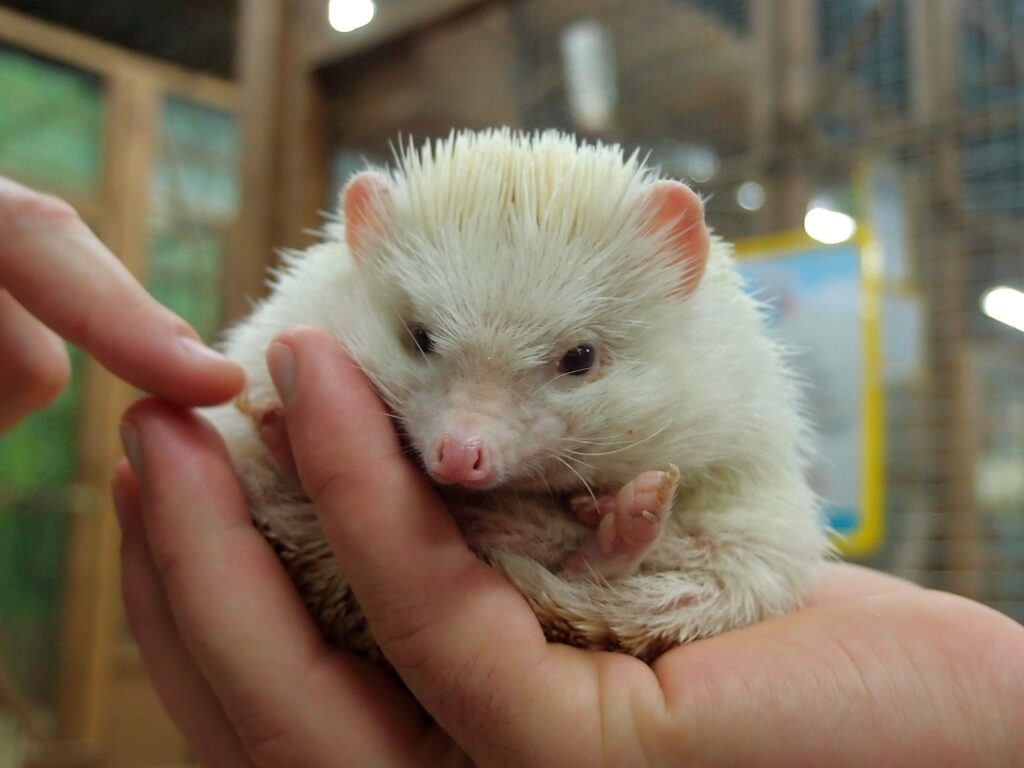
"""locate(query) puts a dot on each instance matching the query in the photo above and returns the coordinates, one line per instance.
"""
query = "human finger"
(240, 618)
(35, 363)
(462, 638)
(185, 693)
(56, 268)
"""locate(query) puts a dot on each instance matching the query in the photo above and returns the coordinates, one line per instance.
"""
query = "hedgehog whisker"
(567, 465)
(582, 441)
(393, 400)
(571, 455)
(631, 445)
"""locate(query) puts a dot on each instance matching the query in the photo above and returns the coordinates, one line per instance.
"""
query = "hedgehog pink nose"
(454, 459)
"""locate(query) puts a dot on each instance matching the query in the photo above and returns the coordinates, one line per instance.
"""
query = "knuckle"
(40, 377)
(269, 743)
(132, 592)
(335, 489)
(51, 376)
(405, 637)
(173, 569)
(326, 486)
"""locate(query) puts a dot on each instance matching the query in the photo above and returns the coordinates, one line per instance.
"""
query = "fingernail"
(606, 534)
(195, 348)
(281, 362)
(132, 446)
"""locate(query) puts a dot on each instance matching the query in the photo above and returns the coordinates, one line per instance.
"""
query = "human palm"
(873, 671)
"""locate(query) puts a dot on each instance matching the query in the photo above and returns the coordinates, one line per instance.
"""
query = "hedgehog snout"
(460, 458)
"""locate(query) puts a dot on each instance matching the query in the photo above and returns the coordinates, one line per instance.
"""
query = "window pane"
(50, 124)
(194, 197)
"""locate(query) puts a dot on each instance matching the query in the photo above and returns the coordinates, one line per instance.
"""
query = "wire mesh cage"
(904, 115)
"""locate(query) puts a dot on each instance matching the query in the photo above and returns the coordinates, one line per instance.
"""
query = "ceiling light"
(701, 164)
(588, 59)
(828, 226)
(1005, 305)
(750, 196)
(347, 15)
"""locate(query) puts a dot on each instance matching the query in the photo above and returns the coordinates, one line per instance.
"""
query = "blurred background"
(867, 157)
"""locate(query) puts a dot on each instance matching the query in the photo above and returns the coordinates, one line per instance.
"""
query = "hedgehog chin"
(493, 485)
(542, 483)
(527, 484)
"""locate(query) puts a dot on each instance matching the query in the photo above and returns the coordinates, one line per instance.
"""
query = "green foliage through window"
(51, 119)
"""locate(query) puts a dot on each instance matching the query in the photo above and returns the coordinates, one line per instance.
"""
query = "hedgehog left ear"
(677, 211)
(366, 204)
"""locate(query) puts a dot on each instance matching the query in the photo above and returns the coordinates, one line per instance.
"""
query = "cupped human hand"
(874, 671)
(57, 280)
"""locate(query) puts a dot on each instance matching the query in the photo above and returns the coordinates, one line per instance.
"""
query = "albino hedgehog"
(570, 355)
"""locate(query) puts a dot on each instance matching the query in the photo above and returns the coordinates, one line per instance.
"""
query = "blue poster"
(815, 299)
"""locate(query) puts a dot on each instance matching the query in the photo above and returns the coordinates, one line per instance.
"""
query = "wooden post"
(784, 34)
(260, 50)
(92, 596)
(797, 79)
(763, 34)
(935, 66)
(285, 166)
(303, 152)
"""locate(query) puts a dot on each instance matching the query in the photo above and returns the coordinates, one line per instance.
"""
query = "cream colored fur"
(511, 248)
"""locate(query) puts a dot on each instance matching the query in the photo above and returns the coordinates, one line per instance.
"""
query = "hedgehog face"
(508, 319)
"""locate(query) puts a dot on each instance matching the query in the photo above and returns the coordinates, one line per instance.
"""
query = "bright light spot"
(1005, 305)
(346, 15)
(588, 58)
(750, 196)
(701, 164)
(829, 227)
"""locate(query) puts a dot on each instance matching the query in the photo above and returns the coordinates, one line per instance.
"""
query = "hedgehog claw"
(628, 524)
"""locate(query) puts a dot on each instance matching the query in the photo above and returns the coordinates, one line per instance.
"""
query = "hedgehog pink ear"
(677, 210)
(366, 204)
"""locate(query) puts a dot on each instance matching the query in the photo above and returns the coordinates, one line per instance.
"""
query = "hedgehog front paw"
(269, 423)
(628, 524)
(590, 509)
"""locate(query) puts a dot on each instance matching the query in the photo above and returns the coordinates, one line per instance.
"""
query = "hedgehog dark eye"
(578, 360)
(421, 337)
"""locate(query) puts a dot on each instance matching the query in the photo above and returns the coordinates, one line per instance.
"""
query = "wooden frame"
(934, 50)
(92, 55)
(135, 87)
(395, 20)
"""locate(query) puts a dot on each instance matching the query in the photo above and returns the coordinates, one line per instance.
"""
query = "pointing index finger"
(57, 269)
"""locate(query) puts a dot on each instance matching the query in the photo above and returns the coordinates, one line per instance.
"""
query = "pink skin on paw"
(640, 506)
(628, 526)
(270, 426)
(275, 438)
(590, 510)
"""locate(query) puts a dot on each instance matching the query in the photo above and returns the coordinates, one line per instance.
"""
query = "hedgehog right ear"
(366, 205)
(677, 211)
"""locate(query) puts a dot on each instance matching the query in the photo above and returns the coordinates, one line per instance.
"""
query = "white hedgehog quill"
(570, 353)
